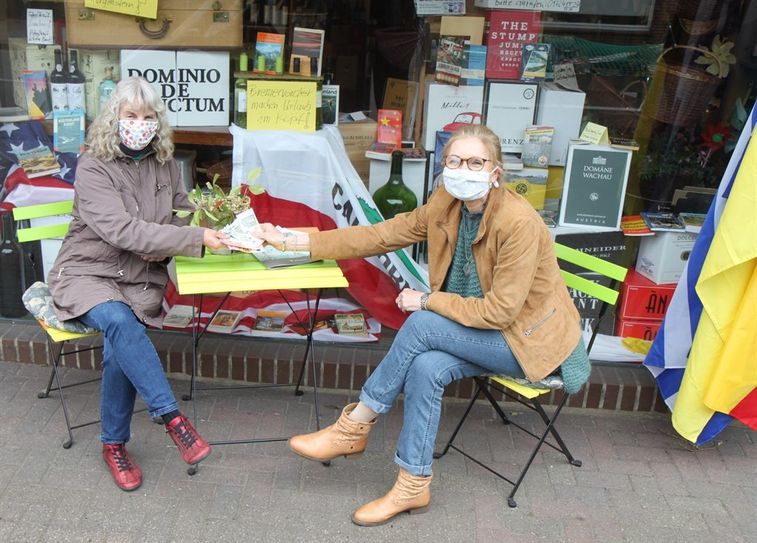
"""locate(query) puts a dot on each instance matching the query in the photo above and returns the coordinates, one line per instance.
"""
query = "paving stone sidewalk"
(638, 481)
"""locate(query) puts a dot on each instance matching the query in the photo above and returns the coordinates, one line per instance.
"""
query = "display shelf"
(188, 135)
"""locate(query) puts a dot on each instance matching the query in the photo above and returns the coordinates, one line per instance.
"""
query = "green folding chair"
(57, 339)
(529, 394)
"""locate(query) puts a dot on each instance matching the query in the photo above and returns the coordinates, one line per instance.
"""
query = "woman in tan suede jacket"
(497, 304)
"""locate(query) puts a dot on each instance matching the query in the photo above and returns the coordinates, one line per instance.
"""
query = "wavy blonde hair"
(102, 137)
(484, 134)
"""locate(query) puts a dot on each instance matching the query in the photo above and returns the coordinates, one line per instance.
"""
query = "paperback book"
(474, 65)
(307, 51)
(270, 321)
(179, 316)
(389, 127)
(352, 324)
(634, 225)
(692, 222)
(224, 322)
(662, 222)
(38, 162)
(269, 53)
(509, 30)
(68, 131)
(534, 61)
(449, 59)
(537, 146)
(38, 104)
(330, 101)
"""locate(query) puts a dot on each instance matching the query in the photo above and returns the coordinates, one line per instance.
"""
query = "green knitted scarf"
(458, 281)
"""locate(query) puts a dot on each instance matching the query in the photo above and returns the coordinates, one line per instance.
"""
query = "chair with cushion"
(529, 393)
(39, 303)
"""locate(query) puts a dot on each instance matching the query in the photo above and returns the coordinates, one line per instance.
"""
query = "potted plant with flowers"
(215, 208)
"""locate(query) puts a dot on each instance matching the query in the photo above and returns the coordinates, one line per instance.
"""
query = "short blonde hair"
(102, 137)
(484, 134)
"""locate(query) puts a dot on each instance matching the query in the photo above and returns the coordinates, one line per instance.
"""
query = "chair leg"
(553, 430)
(55, 360)
(549, 429)
(494, 403)
(462, 420)
(46, 392)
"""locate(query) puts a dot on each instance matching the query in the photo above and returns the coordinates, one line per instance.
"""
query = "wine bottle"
(395, 197)
(59, 83)
(240, 94)
(107, 86)
(10, 272)
(75, 83)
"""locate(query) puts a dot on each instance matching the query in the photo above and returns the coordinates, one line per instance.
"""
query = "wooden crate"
(180, 23)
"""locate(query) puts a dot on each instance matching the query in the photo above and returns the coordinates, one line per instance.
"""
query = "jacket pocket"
(538, 324)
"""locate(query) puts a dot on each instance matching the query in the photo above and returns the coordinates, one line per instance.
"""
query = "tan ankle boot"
(409, 493)
(344, 437)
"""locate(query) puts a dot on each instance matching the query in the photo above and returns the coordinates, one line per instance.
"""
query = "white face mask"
(466, 185)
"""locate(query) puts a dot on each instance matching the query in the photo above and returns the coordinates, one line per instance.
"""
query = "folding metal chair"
(529, 394)
(54, 218)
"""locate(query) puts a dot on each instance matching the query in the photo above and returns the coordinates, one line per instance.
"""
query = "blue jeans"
(130, 365)
(429, 352)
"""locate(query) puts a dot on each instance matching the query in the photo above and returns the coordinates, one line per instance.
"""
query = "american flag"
(23, 136)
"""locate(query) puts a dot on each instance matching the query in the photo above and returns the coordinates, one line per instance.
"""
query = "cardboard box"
(639, 329)
(357, 137)
(563, 110)
(413, 175)
(643, 300)
(663, 256)
(92, 64)
(28, 57)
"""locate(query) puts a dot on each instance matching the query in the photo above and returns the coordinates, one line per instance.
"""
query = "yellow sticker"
(139, 8)
(281, 105)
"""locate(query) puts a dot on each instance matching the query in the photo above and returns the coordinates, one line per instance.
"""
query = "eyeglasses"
(474, 163)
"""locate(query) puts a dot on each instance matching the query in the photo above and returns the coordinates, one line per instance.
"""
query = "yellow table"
(213, 274)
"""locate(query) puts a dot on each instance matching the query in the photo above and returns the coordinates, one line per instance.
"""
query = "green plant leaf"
(256, 189)
(182, 214)
(713, 69)
(254, 174)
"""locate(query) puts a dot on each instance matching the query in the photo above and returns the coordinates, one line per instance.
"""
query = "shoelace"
(122, 460)
(186, 437)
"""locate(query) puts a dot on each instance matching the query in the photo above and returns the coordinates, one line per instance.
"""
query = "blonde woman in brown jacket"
(111, 270)
(497, 304)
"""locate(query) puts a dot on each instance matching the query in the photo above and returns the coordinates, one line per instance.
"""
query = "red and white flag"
(310, 181)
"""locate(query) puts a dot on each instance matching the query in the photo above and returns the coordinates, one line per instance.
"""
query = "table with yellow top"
(223, 274)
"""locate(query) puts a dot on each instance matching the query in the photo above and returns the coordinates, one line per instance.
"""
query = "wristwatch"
(424, 301)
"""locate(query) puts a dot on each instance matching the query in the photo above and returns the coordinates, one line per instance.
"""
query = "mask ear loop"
(495, 182)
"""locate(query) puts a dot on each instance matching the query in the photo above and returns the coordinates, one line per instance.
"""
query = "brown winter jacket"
(524, 294)
(123, 209)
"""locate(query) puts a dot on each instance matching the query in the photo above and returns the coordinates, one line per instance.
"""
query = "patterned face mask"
(136, 134)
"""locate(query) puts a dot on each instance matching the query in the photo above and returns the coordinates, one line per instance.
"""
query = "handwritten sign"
(595, 133)
(566, 6)
(39, 26)
(281, 105)
(139, 8)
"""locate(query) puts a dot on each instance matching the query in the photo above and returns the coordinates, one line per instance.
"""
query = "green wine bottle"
(395, 197)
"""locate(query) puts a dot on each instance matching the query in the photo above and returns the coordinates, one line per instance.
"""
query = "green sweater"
(462, 279)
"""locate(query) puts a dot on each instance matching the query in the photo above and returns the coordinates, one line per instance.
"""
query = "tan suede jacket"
(524, 294)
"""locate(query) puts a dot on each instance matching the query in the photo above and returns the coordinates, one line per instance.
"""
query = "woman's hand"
(213, 239)
(269, 233)
(409, 300)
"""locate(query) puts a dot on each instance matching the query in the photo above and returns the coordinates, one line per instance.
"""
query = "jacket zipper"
(530, 330)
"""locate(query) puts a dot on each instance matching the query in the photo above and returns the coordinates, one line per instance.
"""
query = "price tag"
(596, 134)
